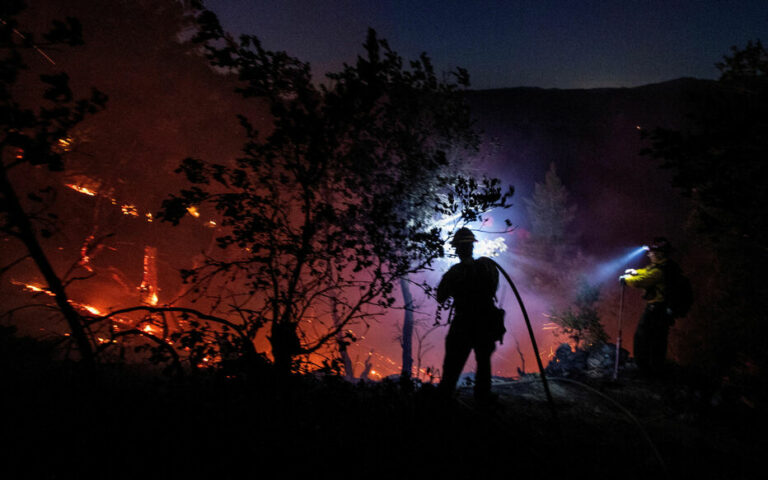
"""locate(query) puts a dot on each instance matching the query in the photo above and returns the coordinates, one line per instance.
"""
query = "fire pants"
(467, 334)
(650, 342)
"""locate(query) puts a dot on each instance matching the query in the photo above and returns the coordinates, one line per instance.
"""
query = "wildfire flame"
(130, 210)
(35, 288)
(65, 144)
(81, 189)
(148, 287)
(193, 211)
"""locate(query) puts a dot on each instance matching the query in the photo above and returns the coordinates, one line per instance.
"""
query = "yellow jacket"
(650, 278)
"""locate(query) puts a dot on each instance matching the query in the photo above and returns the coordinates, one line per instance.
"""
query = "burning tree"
(313, 213)
(33, 138)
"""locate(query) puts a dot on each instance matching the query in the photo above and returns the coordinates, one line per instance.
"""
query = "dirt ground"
(115, 421)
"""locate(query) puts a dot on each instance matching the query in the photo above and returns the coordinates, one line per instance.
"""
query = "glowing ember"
(81, 189)
(193, 211)
(85, 249)
(65, 144)
(130, 210)
(31, 287)
(34, 288)
(148, 287)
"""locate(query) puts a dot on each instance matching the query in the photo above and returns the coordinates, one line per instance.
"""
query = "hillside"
(593, 138)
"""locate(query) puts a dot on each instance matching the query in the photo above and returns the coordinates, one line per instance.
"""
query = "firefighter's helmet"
(660, 244)
(463, 235)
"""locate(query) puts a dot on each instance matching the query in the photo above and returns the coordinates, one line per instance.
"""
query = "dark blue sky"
(543, 43)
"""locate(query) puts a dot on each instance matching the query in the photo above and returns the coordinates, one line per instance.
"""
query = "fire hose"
(544, 377)
(533, 340)
(587, 387)
(618, 337)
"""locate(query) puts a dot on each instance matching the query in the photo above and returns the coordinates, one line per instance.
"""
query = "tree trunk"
(26, 233)
(349, 372)
(285, 346)
(407, 337)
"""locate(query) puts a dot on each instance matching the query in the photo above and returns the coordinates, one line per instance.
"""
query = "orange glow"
(82, 189)
(31, 287)
(85, 259)
(130, 210)
(148, 287)
(65, 144)
(193, 211)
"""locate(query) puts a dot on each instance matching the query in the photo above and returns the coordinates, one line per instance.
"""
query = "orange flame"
(81, 189)
(92, 310)
(131, 210)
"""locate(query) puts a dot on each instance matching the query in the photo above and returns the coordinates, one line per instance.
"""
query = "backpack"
(679, 294)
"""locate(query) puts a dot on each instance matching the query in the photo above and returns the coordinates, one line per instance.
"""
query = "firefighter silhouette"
(472, 284)
(650, 342)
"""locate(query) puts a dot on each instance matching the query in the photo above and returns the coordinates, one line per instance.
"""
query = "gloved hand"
(630, 271)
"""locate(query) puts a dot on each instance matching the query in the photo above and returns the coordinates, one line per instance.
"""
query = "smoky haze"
(166, 104)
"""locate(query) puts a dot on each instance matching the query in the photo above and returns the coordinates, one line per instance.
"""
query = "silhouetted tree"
(313, 208)
(550, 211)
(550, 244)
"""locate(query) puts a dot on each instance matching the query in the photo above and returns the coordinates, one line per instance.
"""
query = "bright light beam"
(612, 267)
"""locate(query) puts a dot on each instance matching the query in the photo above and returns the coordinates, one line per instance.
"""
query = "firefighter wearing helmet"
(472, 284)
(650, 341)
